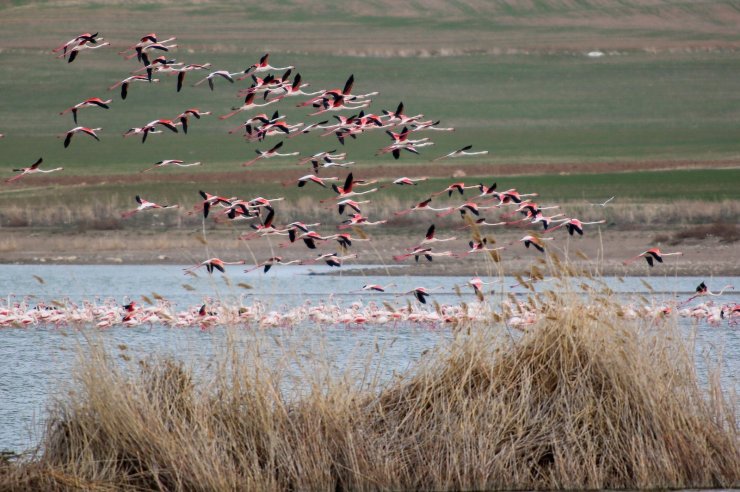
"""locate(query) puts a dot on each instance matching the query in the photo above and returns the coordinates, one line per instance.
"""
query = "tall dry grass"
(583, 399)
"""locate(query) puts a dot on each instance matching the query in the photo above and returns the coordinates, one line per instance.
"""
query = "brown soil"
(701, 257)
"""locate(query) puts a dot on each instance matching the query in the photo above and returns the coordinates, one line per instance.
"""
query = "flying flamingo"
(151, 127)
(346, 190)
(535, 241)
(477, 284)
(82, 46)
(183, 117)
(420, 293)
(310, 177)
(344, 92)
(211, 200)
(575, 225)
(171, 162)
(85, 37)
(128, 80)
(83, 129)
(359, 219)
(308, 128)
(418, 126)
(424, 205)
(270, 262)
(465, 207)
(419, 251)
(462, 152)
(373, 287)
(264, 66)
(188, 68)
(319, 155)
(430, 237)
(459, 187)
(144, 205)
(33, 169)
(404, 181)
(267, 154)
(479, 247)
(225, 74)
(703, 290)
(328, 162)
(213, 264)
(87, 103)
(397, 118)
(248, 104)
(653, 254)
(349, 203)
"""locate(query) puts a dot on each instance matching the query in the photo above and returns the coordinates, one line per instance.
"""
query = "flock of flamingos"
(269, 86)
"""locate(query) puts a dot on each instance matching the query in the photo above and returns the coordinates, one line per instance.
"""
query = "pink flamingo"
(32, 169)
(87, 103)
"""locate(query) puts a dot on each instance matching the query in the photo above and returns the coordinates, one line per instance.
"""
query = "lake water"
(36, 361)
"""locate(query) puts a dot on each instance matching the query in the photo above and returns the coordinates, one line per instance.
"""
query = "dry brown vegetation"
(583, 399)
(726, 232)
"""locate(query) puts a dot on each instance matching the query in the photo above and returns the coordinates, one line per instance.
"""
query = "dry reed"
(583, 399)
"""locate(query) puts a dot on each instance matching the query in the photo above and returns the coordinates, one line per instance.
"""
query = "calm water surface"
(36, 362)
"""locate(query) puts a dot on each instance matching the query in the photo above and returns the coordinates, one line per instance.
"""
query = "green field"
(512, 79)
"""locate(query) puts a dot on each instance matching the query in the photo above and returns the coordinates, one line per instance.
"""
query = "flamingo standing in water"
(32, 169)
(80, 129)
(651, 255)
(87, 103)
(461, 152)
(267, 154)
(213, 264)
(171, 162)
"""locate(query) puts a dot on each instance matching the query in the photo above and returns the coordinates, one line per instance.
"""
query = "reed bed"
(582, 399)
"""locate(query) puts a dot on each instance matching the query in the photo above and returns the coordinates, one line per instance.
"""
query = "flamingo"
(652, 254)
(310, 177)
(459, 187)
(319, 155)
(82, 46)
(477, 284)
(418, 126)
(151, 126)
(703, 290)
(248, 104)
(128, 80)
(430, 238)
(398, 118)
(419, 251)
(32, 169)
(82, 129)
(267, 154)
(210, 200)
(345, 92)
(374, 288)
(479, 247)
(183, 117)
(225, 74)
(467, 206)
(395, 149)
(213, 264)
(423, 205)
(144, 205)
(171, 162)
(188, 68)
(270, 262)
(308, 128)
(359, 219)
(87, 103)
(535, 241)
(327, 162)
(336, 104)
(84, 37)
(461, 152)
(575, 225)
(420, 293)
(264, 66)
(342, 205)
(346, 190)
(404, 181)
(294, 89)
